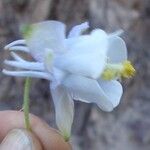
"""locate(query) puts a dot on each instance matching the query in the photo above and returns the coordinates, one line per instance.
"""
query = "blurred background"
(128, 126)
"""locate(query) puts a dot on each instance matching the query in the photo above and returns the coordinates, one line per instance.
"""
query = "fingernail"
(20, 139)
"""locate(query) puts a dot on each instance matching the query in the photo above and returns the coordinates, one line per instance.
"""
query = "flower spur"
(80, 67)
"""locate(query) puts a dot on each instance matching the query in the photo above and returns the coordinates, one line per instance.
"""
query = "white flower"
(80, 67)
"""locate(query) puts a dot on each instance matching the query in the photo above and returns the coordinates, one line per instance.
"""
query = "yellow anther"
(128, 70)
(114, 71)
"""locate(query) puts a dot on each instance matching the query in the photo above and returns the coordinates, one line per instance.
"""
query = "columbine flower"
(80, 67)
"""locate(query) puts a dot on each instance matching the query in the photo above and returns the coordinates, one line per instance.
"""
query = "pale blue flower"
(77, 66)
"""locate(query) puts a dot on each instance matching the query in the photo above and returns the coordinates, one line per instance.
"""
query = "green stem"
(26, 103)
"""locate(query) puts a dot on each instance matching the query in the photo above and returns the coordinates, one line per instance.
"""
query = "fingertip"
(20, 139)
(48, 137)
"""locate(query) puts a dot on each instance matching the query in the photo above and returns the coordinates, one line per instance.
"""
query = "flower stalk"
(26, 103)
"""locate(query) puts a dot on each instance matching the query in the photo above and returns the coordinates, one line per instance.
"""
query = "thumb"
(20, 139)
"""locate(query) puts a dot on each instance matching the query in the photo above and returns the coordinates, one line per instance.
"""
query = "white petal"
(64, 109)
(58, 76)
(87, 90)
(48, 34)
(97, 36)
(117, 51)
(78, 30)
(34, 74)
(87, 55)
(113, 91)
(14, 43)
(26, 65)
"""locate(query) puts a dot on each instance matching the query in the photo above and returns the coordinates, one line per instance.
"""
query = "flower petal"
(87, 90)
(117, 51)
(113, 91)
(48, 34)
(64, 109)
(87, 55)
(78, 29)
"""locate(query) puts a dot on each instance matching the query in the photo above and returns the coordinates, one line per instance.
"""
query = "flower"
(79, 67)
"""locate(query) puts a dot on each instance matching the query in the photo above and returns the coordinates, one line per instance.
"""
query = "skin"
(48, 137)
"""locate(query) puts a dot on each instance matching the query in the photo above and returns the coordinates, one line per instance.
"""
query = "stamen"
(114, 71)
(128, 70)
(108, 74)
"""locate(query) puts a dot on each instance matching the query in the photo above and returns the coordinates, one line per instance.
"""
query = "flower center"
(112, 71)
